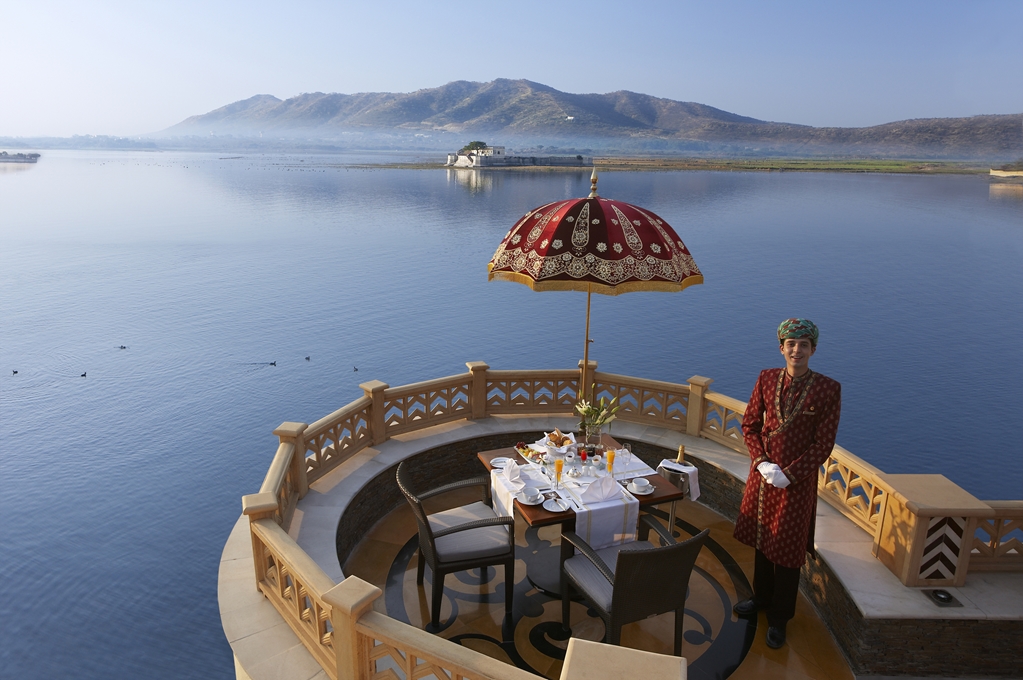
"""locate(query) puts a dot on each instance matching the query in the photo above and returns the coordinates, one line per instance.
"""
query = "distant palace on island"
(480, 155)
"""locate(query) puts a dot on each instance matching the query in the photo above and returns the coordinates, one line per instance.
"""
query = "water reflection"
(1005, 191)
(476, 181)
(6, 168)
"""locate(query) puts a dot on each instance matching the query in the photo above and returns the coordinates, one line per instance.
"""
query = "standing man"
(789, 428)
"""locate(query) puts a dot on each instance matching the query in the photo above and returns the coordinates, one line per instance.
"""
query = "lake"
(119, 488)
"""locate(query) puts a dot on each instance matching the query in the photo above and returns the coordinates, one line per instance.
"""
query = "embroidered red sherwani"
(779, 522)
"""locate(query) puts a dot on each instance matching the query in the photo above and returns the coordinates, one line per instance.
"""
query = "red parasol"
(595, 245)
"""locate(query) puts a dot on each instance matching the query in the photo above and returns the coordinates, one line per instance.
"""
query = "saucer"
(521, 498)
(632, 489)
(552, 505)
(500, 462)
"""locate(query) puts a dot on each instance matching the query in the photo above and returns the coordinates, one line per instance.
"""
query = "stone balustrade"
(334, 621)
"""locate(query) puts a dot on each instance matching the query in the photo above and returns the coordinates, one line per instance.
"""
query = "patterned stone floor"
(715, 642)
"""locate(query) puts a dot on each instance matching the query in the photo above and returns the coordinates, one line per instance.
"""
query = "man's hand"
(773, 474)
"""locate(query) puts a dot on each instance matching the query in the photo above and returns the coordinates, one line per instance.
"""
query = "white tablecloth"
(601, 524)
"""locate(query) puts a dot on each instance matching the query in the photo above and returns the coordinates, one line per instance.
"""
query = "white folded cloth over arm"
(608, 516)
(773, 474)
(689, 471)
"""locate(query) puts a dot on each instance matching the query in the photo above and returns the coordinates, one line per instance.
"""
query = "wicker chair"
(462, 538)
(630, 582)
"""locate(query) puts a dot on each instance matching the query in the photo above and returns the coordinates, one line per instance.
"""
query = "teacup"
(531, 494)
(641, 484)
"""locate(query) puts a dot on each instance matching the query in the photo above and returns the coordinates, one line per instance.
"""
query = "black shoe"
(775, 636)
(746, 609)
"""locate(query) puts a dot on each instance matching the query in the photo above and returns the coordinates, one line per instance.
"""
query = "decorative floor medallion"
(532, 638)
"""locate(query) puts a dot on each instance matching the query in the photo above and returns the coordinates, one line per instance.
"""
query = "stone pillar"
(478, 393)
(586, 374)
(291, 433)
(258, 506)
(925, 532)
(695, 412)
(374, 389)
(348, 601)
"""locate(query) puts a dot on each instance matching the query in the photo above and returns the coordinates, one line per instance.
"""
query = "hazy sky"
(124, 68)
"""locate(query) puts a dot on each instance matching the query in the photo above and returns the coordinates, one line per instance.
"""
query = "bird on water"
(15, 373)
(355, 369)
(83, 375)
(273, 363)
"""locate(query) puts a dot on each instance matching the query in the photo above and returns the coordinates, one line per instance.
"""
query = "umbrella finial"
(593, 184)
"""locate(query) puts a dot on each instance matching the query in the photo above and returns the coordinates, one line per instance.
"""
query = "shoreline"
(640, 164)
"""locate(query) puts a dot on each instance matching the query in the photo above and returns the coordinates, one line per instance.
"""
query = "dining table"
(544, 568)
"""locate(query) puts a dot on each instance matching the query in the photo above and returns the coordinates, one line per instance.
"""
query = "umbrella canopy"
(596, 245)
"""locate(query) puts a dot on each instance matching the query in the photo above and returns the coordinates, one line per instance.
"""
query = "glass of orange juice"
(559, 465)
(610, 461)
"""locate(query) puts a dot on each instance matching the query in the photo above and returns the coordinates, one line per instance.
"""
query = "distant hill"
(521, 111)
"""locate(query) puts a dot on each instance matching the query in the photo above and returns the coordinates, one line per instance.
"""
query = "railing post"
(258, 506)
(349, 600)
(695, 412)
(291, 433)
(478, 396)
(374, 389)
(586, 375)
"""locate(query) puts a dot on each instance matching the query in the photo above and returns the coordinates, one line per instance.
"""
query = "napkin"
(513, 474)
(689, 471)
(601, 489)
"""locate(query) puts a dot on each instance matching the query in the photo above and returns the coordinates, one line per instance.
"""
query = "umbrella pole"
(586, 348)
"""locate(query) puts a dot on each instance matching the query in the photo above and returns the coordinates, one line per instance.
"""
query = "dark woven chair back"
(425, 533)
(649, 582)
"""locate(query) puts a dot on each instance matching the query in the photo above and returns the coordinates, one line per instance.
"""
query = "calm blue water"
(119, 489)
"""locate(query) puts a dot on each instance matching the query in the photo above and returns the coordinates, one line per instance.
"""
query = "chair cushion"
(590, 581)
(474, 543)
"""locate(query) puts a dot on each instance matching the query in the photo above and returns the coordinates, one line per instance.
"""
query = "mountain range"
(524, 112)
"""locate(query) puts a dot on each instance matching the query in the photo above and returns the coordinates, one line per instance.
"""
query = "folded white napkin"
(513, 474)
(689, 471)
(601, 489)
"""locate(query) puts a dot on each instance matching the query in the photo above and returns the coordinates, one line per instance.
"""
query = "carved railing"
(998, 541)
(373, 645)
(281, 483)
(850, 485)
(650, 402)
(425, 404)
(722, 421)
(531, 391)
(295, 585)
(334, 439)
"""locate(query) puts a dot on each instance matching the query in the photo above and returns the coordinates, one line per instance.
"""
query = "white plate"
(649, 490)
(500, 462)
(521, 498)
(552, 506)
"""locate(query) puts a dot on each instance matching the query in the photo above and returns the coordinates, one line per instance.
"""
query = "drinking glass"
(559, 465)
(626, 454)
(610, 461)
